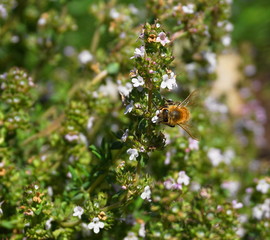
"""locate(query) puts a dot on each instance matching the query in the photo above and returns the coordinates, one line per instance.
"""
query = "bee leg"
(169, 101)
(170, 125)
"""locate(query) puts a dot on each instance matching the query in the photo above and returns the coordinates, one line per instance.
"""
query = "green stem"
(150, 94)
(138, 171)
(95, 41)
(149, 105)
(110, 207)
(70, 224)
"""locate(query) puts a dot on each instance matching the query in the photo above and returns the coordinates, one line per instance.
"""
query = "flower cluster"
(82, 133)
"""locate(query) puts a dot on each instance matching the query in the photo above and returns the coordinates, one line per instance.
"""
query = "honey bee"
(178, 113)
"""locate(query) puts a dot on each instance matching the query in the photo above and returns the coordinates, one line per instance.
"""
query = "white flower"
(168, 158)
(229, 1)
(250, 70)
(215, 156)
(189, 9)
(42, 21)
(191, 69)
(48, 224)
(78, 212)
(90, 123)
(50, 191)
(240, 231)
(125, 90)
(142, 230)
(162, 38)
(243, 218)
(229, 27)
(169, 81)
(262, 186)
(83, 139)
(155, 119)
(71, 137)
(129, 107)
(137, 81)
(228, 156)
(226, 40)
(170, 184)
(183, 178)
(3, 11)
(96, 225)
(133, 9)
(85, 57)
(146, 193)
(133, 153)
(124, 136)
(109, 89)
(237, 205)
(69, 175)
(139, 52)
(266, 208)
(114, 14)
(193, 144)
(214, 106)
(69, 51)
(231, 186)
(1, 210)
(15, 39)
(257, 212)
(211, 58)
(131, 236)
(195, 186)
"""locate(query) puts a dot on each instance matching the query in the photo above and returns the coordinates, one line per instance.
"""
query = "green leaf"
(113, 68)
(117, 145)
(142, 124)
(38, 211)
(97, 154)
(95, 151)
(8, 224)
(78, 196)
(73, 172)
(93, 147)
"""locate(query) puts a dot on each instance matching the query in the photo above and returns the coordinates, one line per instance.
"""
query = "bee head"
(164, 114)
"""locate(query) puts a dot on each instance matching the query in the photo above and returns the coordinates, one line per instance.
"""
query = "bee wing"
(192, 132)
(191, 99)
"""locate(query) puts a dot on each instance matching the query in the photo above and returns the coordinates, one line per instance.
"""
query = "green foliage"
(83, 151)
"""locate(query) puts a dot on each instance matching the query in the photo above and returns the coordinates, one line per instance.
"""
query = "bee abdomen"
(184, 115)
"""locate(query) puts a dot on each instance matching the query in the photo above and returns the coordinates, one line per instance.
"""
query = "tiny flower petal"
(78, 212)
(137, 81)
(146, 193)
(263, 186)
(139, 52)
(193, 144)
(183, 178)
(129, 107)
(162, 38)
(133, 153)
(125, 136)
(96, 224)
(189, 9)
(85, 57)
(169, 81)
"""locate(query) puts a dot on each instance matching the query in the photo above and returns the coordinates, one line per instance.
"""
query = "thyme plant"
(82, 155)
